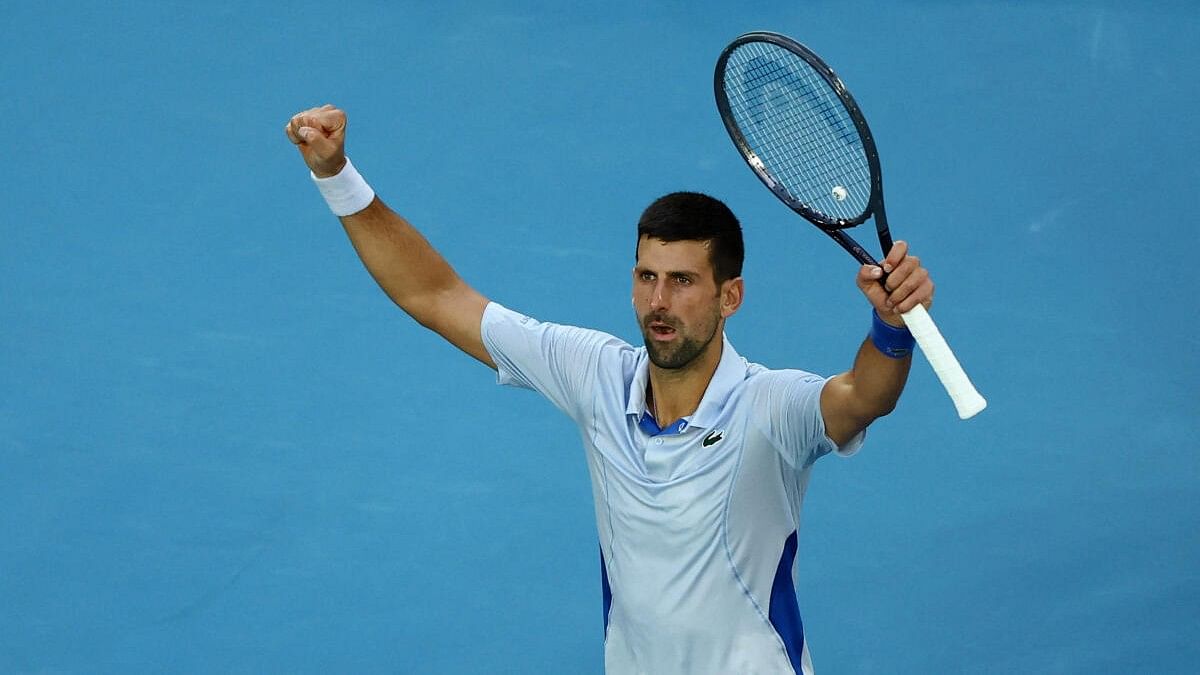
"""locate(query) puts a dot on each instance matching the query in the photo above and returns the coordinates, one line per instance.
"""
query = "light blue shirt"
(697, 522)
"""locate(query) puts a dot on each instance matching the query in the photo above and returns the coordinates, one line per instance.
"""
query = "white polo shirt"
(697, 522)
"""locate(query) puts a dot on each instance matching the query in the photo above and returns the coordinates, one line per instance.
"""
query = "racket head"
(799, 129)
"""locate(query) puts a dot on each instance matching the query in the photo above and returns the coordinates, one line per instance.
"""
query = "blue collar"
(650, 425)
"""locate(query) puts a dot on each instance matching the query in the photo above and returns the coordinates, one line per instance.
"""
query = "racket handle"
(966, 399)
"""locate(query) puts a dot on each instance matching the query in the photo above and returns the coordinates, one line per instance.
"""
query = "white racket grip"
(966, 399)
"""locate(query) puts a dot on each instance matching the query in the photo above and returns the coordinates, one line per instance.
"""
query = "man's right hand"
(320, 135)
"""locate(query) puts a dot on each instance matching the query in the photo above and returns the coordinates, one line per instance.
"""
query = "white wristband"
(346, 193)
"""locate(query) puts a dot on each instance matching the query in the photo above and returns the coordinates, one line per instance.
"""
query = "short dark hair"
(692, 216)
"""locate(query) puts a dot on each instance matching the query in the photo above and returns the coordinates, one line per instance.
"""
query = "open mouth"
(661, 330)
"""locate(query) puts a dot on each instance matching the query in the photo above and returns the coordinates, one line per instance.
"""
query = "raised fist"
(320, 135)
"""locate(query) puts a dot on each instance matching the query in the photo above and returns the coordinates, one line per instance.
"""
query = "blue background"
(222, 449)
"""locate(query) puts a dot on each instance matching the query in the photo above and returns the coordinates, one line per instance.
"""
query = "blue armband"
(893, 342)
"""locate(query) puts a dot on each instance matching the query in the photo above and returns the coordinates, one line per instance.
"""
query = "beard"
(683, 349)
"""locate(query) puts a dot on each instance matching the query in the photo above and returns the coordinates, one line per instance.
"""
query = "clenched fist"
(320, 135)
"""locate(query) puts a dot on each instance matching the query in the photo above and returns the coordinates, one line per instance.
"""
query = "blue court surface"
(222, 449)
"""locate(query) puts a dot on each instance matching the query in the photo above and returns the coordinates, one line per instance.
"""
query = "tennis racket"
(799, 129)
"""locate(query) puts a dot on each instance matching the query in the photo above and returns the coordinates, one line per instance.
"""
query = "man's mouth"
(661, 330)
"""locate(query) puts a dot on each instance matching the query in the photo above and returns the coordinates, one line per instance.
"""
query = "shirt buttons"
(658, 441)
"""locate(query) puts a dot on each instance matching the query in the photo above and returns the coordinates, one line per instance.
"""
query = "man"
(699, 460)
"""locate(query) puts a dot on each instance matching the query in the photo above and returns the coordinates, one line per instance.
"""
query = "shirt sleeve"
(788, 407)
(560, 362)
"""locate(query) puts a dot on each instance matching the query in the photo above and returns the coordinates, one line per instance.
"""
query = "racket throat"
(881, 225)
(853, 247)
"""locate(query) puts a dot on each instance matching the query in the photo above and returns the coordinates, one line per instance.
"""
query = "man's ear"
(733, 291)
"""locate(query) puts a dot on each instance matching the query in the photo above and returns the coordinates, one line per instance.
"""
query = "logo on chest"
(713, 438)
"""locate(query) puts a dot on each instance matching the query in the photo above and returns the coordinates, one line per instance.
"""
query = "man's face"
(679, 305)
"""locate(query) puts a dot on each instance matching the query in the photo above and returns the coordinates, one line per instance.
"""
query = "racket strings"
(798, 128)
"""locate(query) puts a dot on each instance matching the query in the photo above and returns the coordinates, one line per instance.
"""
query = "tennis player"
(699, 459)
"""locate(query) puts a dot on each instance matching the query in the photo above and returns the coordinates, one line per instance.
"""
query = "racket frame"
(831, 226)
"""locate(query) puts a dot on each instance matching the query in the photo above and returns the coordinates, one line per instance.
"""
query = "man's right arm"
(412, 273)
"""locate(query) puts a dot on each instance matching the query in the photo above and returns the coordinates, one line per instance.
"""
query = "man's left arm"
(870, 389)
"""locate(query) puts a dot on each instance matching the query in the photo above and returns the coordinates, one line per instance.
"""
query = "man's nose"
(659, 295)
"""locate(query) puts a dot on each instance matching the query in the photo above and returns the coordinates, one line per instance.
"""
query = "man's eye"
(647, 276)
(683, 281)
